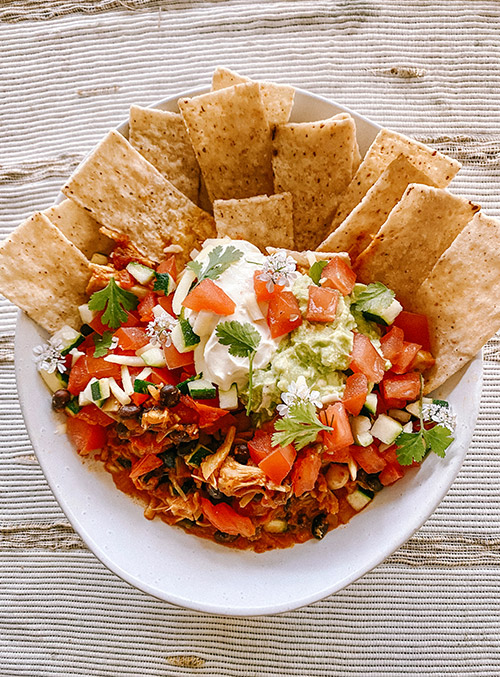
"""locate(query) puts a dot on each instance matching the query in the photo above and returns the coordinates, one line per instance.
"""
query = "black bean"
(129, 411)
(183, 441)
(188, 485)
(216, 495)
(367, 481)
(124, 462)
(169, 396)
(319, 526)
(122, 431)
(168, 457)
(240, 453)
(222, 537)
(60, 399)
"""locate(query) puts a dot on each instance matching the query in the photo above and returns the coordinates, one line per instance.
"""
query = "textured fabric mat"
(68, 72)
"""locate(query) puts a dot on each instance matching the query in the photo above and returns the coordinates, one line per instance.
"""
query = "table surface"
(69, 70)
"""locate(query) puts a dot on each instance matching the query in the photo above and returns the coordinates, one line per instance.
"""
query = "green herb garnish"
(163, 282)
(115, 302)
(375, 297)
(299, 427)
(243, 341)
(102, 343)
(219, 260)
(316, 270)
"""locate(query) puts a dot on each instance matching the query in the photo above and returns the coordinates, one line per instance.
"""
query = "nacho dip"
(246, 320)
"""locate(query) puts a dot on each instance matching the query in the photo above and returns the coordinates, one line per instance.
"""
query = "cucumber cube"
(386, 429)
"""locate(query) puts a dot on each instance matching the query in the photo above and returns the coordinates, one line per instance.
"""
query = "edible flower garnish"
(48, 357)
(279, 268)
(298, 391)
(160, 329)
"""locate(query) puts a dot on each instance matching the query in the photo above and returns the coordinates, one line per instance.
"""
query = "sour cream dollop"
(211, 357)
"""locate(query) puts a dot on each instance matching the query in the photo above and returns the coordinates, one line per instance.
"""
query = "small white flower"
(439, 414)
(279, 268)
(159, 330)
(48, 357)
(298, 391)
(114, 343)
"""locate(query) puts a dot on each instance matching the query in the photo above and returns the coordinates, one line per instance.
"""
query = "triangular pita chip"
(125, 193)
(356, 232)
(276, 99)
(417, 231)
(44, 274)
(384, 149)
(232, 141)
(461, 298)
(262, 220)
(161, 137)
(314, 162)
(79, 227)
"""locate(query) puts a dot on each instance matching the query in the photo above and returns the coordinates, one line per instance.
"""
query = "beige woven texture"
(68, 72)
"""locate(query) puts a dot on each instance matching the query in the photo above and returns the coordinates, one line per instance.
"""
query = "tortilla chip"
(43, 273)
(305, 259)
(356, 232)
(314, 162)
(232, 141)
(386, 147)
(79, 227)
(261, 220)
(417, 231)
(133, 201)
(461, 298)
(276, 99)
(161, 137)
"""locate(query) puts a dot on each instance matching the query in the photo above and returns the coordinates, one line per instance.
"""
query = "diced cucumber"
(386, 429)
(99, 259)
(96, 391)
(183, 385)
(154, 357)
(183, 336)
(360, 498)
(143, 274)
(187, 279)
(86, 314)
(371, 403)
(385, 316)
(205, 322)
(198, 455)
(360, 426)
(164, 282)
(68, 338)
(228, 399)
(141, 386)
(72, 408)
(53, 381)
(202, 389)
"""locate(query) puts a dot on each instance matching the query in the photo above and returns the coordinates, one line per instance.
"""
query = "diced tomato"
(209, 415)
(423, 361)
(261, 291)
(87, 367)
(139, 398)
(355, 392)
(166, 303)
(124, 279)
(415, 327)
(95, 416)
(322, 304)
(175, 359)
(226, 519)
(402, 361)
(390, 474)
(342, 455)
(283, 314)
(369, 458)
(392, 342)
(339, 275)
(85, 437)
(278, 463)
(401, 386)
(144, 465)
(131, 338)
(260, 446)
(209, 296)
(341, 435)
(168, 266)
(394, 403)
(305, 472)
(365, 359)
(145, 307)
(99, 327)
(163, 375)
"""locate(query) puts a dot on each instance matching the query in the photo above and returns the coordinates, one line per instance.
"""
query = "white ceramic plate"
(192, 572)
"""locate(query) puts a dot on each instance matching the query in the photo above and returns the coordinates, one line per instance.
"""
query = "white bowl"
(191, 572)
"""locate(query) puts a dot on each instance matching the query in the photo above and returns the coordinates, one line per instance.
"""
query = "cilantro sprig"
(102, 343)
(115, 302)
(316, 269)
(415, 446)
(243, 340)
(376, 296)
(219, 260)
(299, 427)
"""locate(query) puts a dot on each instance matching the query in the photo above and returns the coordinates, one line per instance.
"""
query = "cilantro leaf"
(243, 340)
(114, 301)
(316, 269)
(376, 296)
(410, 447)
(102, 343)
(299, 427)
(438, 439)
(163, 282)
(219, 260)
